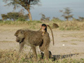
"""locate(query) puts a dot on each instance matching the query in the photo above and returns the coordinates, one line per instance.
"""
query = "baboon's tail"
(51, 33)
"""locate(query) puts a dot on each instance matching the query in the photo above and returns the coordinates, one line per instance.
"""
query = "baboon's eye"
(16, 35)
(22, 32)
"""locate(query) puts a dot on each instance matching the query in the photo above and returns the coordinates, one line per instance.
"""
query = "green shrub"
(21, 19)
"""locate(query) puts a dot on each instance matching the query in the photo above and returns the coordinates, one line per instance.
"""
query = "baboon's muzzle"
(20, 41)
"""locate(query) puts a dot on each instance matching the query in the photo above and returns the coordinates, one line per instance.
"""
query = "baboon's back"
(34, 37)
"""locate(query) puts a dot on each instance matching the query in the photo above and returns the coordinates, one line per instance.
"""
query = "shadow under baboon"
(57, 57)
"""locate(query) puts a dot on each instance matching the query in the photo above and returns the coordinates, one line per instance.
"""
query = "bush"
(21, 19)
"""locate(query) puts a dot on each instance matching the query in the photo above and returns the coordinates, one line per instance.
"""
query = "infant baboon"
(33, 39)
(44, 30)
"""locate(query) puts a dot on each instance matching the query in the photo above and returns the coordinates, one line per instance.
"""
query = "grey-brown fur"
(33, 39)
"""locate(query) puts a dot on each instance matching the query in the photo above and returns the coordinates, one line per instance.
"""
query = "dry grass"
(64, 41)
(63, 25)
(28, 24)
(12, 57)
(72, 25)
(74, 43)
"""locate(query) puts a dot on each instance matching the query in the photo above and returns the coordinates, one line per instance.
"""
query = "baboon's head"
(20, 36)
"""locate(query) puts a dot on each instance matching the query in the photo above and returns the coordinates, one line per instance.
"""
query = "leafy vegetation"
(44, 18)
(67, 13)
(13, 16)
(26, 4)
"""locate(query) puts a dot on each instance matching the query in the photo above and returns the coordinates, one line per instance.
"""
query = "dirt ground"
(66, 42)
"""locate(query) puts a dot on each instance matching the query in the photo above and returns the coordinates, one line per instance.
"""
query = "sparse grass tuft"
(64, 41)
(74, 43)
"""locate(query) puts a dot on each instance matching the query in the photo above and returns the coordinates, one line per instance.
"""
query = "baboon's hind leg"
(44, 48)
(46, 53)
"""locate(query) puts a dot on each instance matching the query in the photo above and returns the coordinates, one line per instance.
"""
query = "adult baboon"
(33, 39)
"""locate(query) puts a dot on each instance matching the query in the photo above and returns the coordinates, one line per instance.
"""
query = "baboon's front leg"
(34, 52)
(21, 45)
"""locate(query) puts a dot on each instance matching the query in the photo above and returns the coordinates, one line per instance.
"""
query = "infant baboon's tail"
(51, 33)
